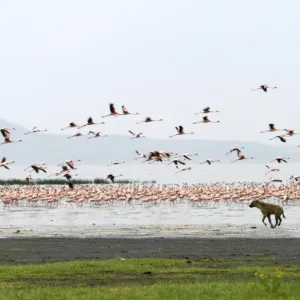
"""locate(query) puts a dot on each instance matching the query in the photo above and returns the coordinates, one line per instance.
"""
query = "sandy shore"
(39, 250)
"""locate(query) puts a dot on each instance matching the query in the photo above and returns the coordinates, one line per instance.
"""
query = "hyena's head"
(254, 203)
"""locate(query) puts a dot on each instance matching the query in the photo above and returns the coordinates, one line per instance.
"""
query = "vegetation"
(150, 279)
(63, 181)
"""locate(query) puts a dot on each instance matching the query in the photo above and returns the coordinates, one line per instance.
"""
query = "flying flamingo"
(7, 140)
(281, 137)
(187, 156)
(280, 159)
(136, 136)
(265, 88)
(37, 168)
(70, 163)
(69, 176)
(35, 129)
(182, 170)
(63, 170)
(112, 177)
(95, 135)
(272, 128)
(114, 163)
(140, 155)
(113, 111)
(71, 125)
(148, 120)
(75, 135)
(5, 164)
(238, 150)
(176, 162)
(242, 157)
(126, 112)
(90, 122)
(290, 132)
(271, 169)
(209, 161)
(205, 119)
(6, 131)
(207, 110)
(180, 131)
(275, 180)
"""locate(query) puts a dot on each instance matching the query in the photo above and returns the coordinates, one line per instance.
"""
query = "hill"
(55, 148)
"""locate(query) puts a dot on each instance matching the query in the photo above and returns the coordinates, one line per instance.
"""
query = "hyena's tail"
(283, 215)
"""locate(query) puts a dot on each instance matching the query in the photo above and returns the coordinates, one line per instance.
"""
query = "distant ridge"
(55, 148)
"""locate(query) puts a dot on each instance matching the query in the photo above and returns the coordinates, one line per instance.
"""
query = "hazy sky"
(66, 60)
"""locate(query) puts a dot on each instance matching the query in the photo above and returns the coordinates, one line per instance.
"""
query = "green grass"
(150, 279)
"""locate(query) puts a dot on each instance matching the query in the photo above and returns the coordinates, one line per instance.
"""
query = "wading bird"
(275, 180)
(205, 119)
(264, 87)
(207, 110)
(75, 135)
(182, 170)
(114, 163)
(35, 130)
(180, 131)
(140, 155)
(70, 163)
(186, 156)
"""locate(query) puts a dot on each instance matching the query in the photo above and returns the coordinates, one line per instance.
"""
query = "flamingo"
(187, 156)
(95, 135)
(5, 164)
(113, 111)
(90, 122)
(70, 163)
(68, 175)
(275, 180)
(272, 128)
(112, 177)
(148, 120)
(35, 129)
(7, 140)
(75, 135)
(290, 132)
(6, 131)
(209, 161)
(265, 88)
(271, 169)
(71, 125)
(28, 178)
(126, 112)
(182, 170)
(238, 150)
(242, 157)
(37, 168)
(136, 136)
(207, 110)
(281, 137)
(140, 155)
(280, 159)
(176, 162)
(180, 131)
(205, 119)
(63, 170)
(114, 163)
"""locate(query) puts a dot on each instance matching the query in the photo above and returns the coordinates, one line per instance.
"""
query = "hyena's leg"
(269, 218)
(263, 219)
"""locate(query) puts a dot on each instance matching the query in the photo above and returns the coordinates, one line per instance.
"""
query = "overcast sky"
(66, 60)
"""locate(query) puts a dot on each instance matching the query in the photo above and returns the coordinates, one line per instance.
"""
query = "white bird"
(271, 169)
(182, 170)
(35, 129)
(136, 136)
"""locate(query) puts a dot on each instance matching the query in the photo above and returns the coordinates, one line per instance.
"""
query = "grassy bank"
(152, 279)
(75, 181)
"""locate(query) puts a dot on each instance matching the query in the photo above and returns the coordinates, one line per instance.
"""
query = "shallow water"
(162, 220)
